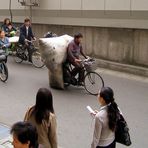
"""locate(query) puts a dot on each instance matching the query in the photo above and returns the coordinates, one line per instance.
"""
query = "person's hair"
(10, 24)
(5, 20)
(44, 105)
(112, 109)
(24, 132)
(1, 31)
(78, 35)
(26, 20)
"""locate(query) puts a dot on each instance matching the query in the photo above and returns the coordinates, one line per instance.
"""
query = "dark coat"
(23, 34)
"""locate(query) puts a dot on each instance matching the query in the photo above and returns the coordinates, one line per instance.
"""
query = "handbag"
(122, 135)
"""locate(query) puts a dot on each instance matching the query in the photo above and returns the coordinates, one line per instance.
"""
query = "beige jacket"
(46, 131)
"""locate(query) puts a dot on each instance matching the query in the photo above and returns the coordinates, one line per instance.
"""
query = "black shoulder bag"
(122, 135)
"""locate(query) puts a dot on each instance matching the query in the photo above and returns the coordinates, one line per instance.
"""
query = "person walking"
(42, 116)
(105, 120)
(24, 135)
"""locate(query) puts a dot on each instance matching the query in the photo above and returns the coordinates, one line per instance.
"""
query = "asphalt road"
(75, 126)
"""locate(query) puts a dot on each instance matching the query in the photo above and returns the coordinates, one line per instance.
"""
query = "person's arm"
(7, 43)
(14, 28)
(32, 35)
(28, 113)
(97, 132)
(52, 132)
(82, 53)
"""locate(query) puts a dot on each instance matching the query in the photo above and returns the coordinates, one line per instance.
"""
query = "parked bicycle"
(93, 82)
(23, 55)
(3, 66)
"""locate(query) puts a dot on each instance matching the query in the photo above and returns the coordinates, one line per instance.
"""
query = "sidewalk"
(5, 138)
(122, 75)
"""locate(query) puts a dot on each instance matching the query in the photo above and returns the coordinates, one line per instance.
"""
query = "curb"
(131, 69)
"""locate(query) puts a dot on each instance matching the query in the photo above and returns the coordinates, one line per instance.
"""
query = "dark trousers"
(112, 145)
(30, 51)
(78, 69)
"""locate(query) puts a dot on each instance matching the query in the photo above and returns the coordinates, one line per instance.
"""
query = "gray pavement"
(74, 123)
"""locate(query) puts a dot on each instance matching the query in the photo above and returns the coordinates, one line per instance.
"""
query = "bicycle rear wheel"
(93, 82)
(37, 60)
(3, 72)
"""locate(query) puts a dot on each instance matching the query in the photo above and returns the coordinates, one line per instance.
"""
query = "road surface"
(75, 126)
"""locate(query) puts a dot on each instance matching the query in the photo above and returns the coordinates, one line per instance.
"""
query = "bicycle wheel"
(93, 82)
(37, 60)
(17, 59)
(3, 72)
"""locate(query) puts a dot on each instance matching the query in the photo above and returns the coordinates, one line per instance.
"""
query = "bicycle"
(3, 66)
(22, 54)
(93, 82)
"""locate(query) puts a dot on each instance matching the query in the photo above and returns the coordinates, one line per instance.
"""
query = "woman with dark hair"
(42, 116)
(5, 23)
(24, 135)
(8, 27)
(105, 120)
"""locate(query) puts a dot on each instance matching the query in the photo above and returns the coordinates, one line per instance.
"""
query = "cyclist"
(4, 42)
(11, 31)
(8, 27)
(73, 57)
(26, 35)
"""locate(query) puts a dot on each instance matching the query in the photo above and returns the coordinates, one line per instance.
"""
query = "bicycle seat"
(2, 58)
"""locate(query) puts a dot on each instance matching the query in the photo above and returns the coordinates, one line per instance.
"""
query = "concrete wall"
(105, 24)
(98, 13)
(127, 46)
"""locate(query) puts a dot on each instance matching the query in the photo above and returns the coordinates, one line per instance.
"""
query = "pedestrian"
(42, 116)
(105, 120)
(24, 135)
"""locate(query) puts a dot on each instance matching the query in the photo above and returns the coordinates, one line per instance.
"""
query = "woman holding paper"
(105, 120)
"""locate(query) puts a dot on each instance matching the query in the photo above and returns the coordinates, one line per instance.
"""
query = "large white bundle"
(54, 52)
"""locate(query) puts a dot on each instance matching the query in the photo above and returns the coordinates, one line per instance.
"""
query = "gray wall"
(99, 13)
(127, 46)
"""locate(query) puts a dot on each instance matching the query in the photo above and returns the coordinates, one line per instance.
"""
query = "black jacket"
(23, 34)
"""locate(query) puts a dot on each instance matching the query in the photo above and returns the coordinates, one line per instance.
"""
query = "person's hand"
(26, 40)
(34, 38)
(94, 113)
(77, 60)
(4, 46)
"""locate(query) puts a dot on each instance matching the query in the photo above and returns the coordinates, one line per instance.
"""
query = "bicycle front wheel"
(17, 59)
(37, 60)
(93, 82)
(3, 72)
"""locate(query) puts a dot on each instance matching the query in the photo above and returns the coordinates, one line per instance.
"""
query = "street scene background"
(75, 125)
